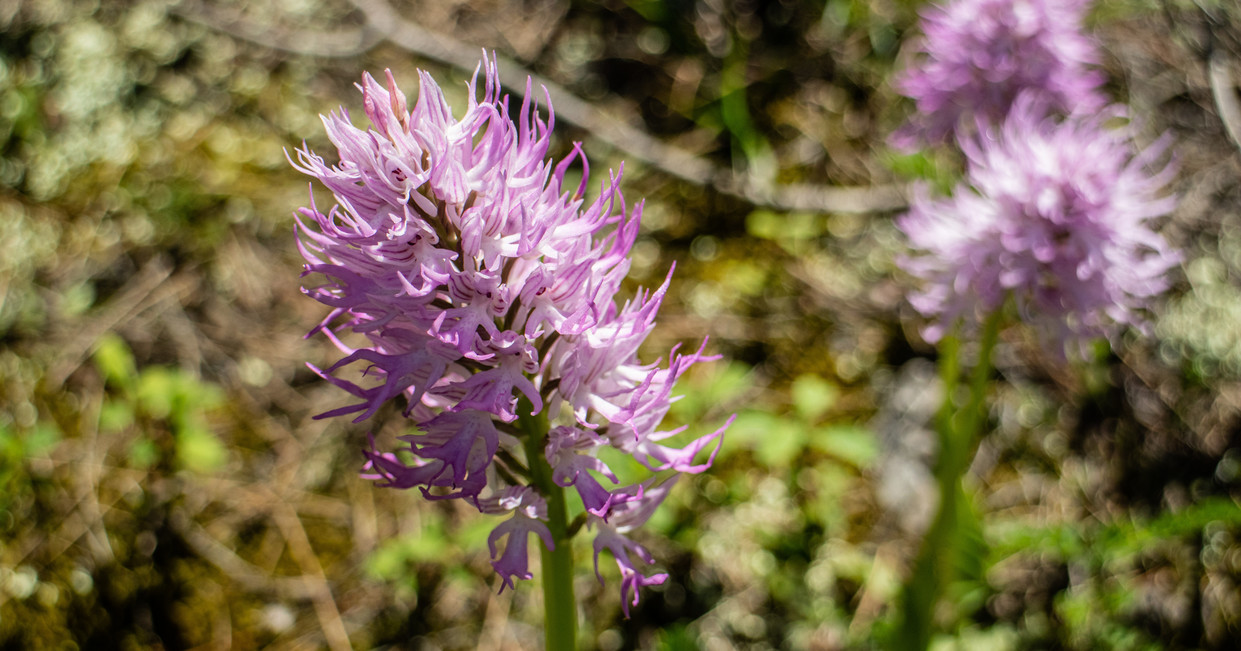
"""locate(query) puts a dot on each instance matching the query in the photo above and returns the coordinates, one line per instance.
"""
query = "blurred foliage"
(156, 399)
(164, 485)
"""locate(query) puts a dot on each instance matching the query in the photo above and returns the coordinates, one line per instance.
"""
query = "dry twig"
(303, 554)
(343, 43)
(384, 23)
(121, 308)
(238, 569)
(1224, 92)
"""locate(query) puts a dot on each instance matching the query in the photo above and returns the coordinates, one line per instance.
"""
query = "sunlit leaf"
(116, 362)
(42, 439)
(143, 453)
(813, 396)
(854, 445)
(774, 440)
(157, 390)
(199, 450)
(115, 416)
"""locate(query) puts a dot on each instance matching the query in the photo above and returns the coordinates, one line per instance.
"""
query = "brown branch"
(303, 554)
(607, 128)
(816, 198)
(495, 619)
(624, 137)
(384, 23)
(237, 569)
(1146, 376)
(88, 476)
(123, 306)
(343, 43)
(1224, 91)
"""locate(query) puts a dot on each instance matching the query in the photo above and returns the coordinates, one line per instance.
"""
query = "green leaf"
(115, 416)
(676, 638)
(652, 10)
(715, 385)
(143, 453)
(42, 439)
(791, 231)
(775, 440)
(10, 445)
(392, 561)
(831, 479)
(813, 396)
(918, 165)
(745, 277)
(157, 390)
(473, 534)
(968, 541)
(199, 450)
(115, 362)
(763, 224)
(77, 299)
(624, 466)
(781, 445)
(851, 444)
(429, 545)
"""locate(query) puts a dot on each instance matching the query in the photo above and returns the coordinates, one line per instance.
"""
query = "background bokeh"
(163, 483)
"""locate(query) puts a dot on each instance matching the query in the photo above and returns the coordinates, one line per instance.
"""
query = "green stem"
(959, 432)
(949, 376)
(559, 605)
(975, 409)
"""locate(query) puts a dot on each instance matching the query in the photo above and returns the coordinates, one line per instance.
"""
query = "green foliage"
(1104, 544)
(810, 457)
(653, 11)
(812, 396)
(853, 445)
(676, 638)
(881, 24)
(18, 445)
(116, 363)
(776, 437)
(12, 475)
(396, 559)
(932, 167)
(156, 400)
(748, 142)
(723, 385)
(775, 441)
(795, 232)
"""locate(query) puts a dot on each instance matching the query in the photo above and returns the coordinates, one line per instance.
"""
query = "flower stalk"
(959, 431)
(559, 604)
